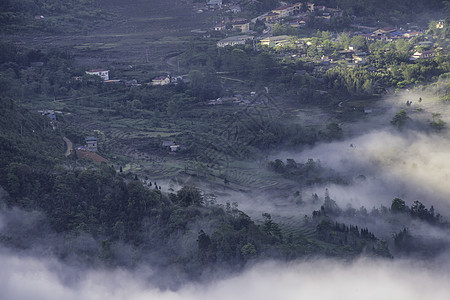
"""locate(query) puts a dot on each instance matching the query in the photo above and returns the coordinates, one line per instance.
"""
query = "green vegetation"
(233, 106)
(55, 16)
(114, 208)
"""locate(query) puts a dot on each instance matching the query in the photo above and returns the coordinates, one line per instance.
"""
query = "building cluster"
(296, 14)
(236, 24)
(157, 81)
(388, 34)
(166, 79)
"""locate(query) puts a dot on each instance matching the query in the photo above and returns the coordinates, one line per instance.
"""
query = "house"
(235, 9)
(50, 113)
(272, 17)
(359, 57)
(422, 55)
(346, 54)
(174, 148)
(397, 34)
(91, 143)
(383, 31)
(325, 15)
(299, 22)
(440, 24)
(310, 6)
(35, 64)
(216, 3)
(368, 110)
(241, 24)
(284, 11)
(274, 41)
(161, 80)
(302, 22)
(176, 79)
(132, 82)
(219, 27)
(412, 34)
(234, 40)
(294, 23)
(426, 44)
(320, 8)
(168, 143)
(104, 74)
(297, 7)
(217, 101)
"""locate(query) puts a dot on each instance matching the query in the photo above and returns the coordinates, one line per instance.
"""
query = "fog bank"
(29, 278)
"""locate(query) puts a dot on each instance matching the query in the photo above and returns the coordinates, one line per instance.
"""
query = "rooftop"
(236, 38)
(276, 38)
(98, 70)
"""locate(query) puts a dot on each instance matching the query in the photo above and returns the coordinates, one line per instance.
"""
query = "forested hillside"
(266, 128)
(128, 221)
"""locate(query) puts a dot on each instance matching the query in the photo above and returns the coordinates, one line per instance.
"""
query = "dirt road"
(69, 146)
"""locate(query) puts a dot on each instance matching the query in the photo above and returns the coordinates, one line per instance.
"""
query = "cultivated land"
(143, 41)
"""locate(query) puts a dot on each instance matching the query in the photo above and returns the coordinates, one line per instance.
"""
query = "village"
(333, 48)
(279, 32)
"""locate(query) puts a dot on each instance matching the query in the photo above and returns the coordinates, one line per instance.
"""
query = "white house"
(91, 143)
(104, 74)
(214, 3)
(234, 40)
(422, 54)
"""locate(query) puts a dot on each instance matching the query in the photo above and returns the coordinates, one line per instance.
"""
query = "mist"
(412, 163)
(24, 277)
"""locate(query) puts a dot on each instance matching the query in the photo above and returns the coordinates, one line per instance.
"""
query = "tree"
(399, 119)
(344, 40)
(248, 250)
(203, 241)
(437, 124)
(334, 131)
(189, 195)
(398, 205)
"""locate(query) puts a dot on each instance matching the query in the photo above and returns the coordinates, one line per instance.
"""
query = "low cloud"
(29, 278)
(412, 163)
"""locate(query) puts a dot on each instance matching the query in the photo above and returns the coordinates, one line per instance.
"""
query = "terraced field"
(297, 227)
